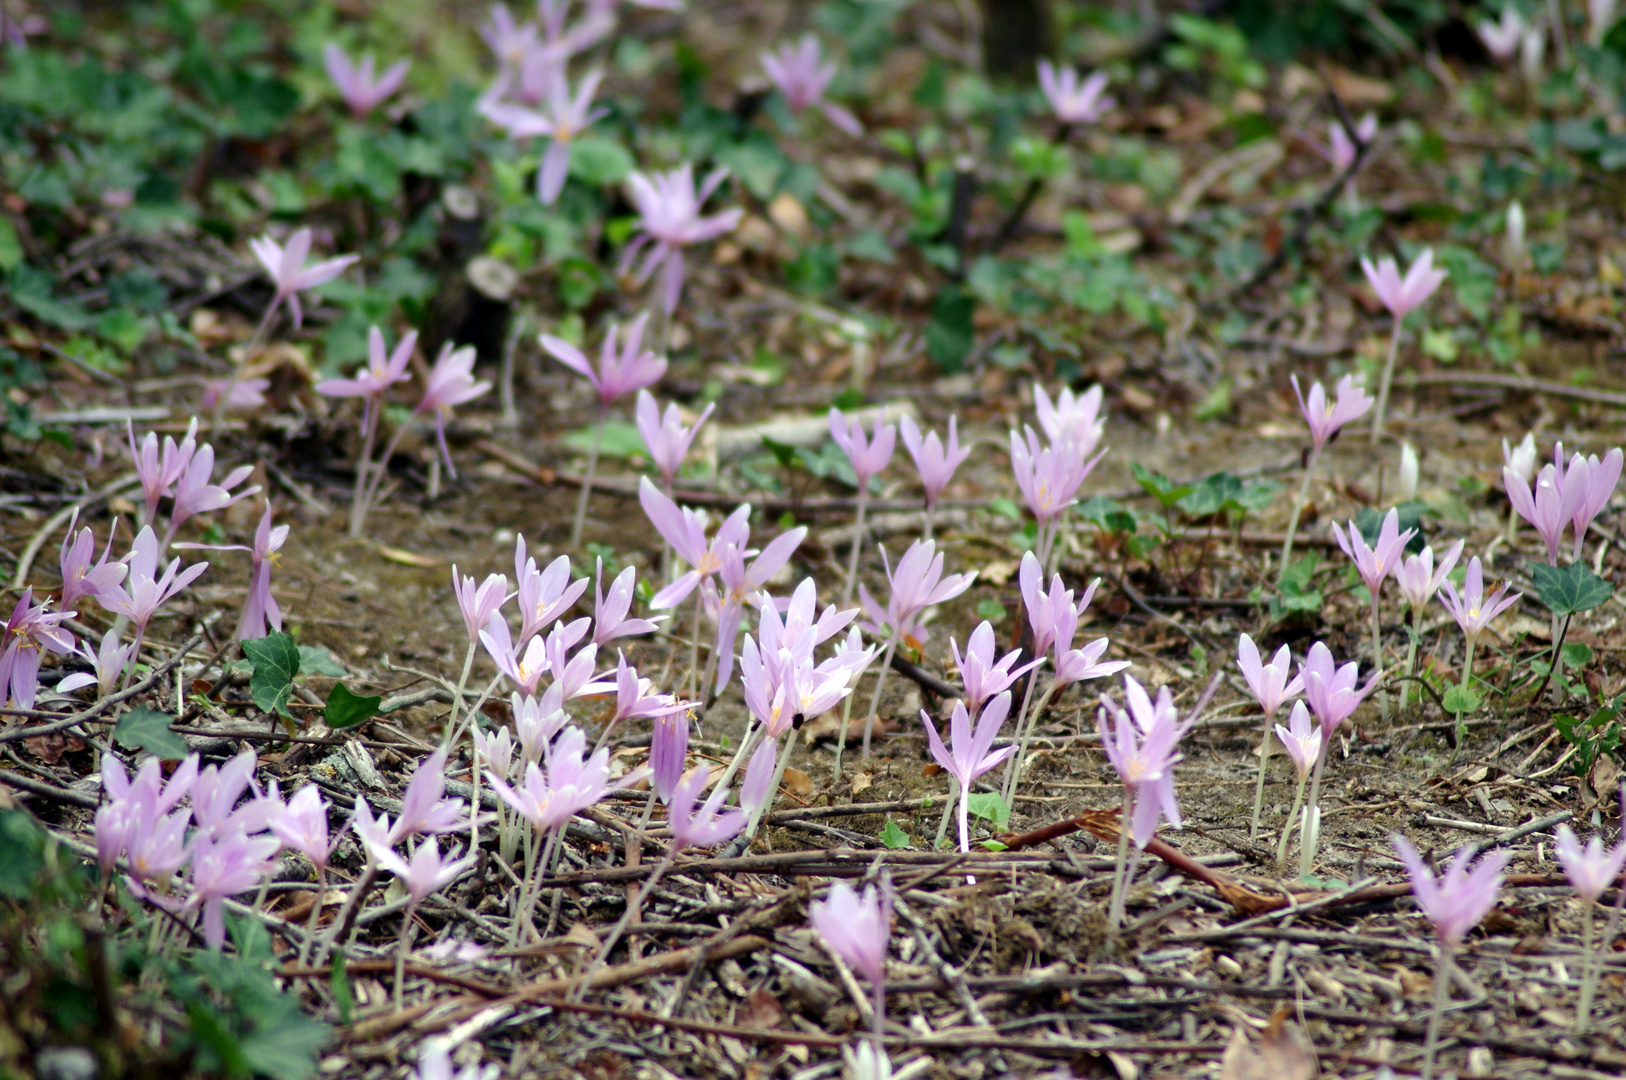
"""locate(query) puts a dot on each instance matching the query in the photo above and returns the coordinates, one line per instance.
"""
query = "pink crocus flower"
(622, 371)
(496, 749)
(755, 788)
(739, 581)
(194, 494)
(1400, 295)
(145, 591)
(1596, 479)
(1473, 608)
(1084, 663)
(478, 603)
(566, 117)
(451, 382)
(982, 675)
(1074, 419)
(1459, 899)
(1326, 417)
(685, 529)
(1049, 477)
(222, 869)
(303, 826)
(361, 91)
(1419, 579)
(574, 675)
(1301, 739)
(1502, 38)
(669, 221)
(1074, 100)
(261, 609)
(610, 612)
(798, 72)
(524, 664)
(917, 584)
(288, 271)
(1375, 563)
(1521, 459)
(1547, 506)
(80, 579)
(1142, 743)
(423, 810)
(218, 787)
(635, 697)
(543, 595)
(384, 369)
(155, 846)
(571, 783)
(244, 395)
(704, 825)
(1331, 690)
(869, 456)
(665, 436)
(31, 632)
(158, 474)
(668, 752)
(427, 872)
(1340, 149)
(934, 460)
(1590, 870)
(857, 928)
(107, 663)
(1268, 682)
(537, 721)
(970, 751)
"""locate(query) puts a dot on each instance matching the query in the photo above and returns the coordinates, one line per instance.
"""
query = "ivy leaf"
(144, 728)
(345, 709)
(893, 837)
(1160, 487)
(1460, 699)
(315, 660)
(1570, 590)
(990, 808)
(276, 662)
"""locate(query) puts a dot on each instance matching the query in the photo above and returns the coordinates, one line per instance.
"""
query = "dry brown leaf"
(407, 558)
(762, 1010)
(862, 782)
(1281, 1053)
(798, 782)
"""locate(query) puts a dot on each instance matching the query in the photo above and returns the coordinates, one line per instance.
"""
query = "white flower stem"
(1287, 826)
(694, 648)
(1115, 908)
(875, 698)
(1377, 652)
(747, 741)
(587, 481)
(1298, 508)
(628, 916)
(401, 949)
(926, 534)
(315, 915)
(358, 502)
(377, 472)
(773, 789)
(1442, 994)
(1018, 760)
(841, 743)
(1382, 406)
(1592, 962)
(1259, 786)
(1310, 835)
(858, 543)
(948, 812)
(1021, 717)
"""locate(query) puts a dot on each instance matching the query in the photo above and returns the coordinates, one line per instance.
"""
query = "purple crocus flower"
(384, 369)
(1268, 682)
(423, 810)
(1301, 739)
(81, 579)
(218, 787)
(670, 220)
(361, 91)
(868, 456)
(1049, 477)
(261, 608)
(757, 786)
(970, 752)
(1376, 563)
(635, 696)
(610, 612)
(1074, 419)
(479, 602)
(1400, 295)
(303, 826)
(537, 721)
(31, 632)
(619, 372)
(1419, 578)
(980, 673)
(857, 928)
(1591, 870)
(566, 117)
(428, 871)
(1473, 608)
(543, 595)
(107, 663)
(1458, 900)
(571, 783)
(288, 271)
(1331, 690)
(669, 751)
(706, 824)
(158, 474)
(155, 846)
(223, 868)
(1597, 479)
(145, 592)
(194, 494)
(574, 675)
(917, 584)
(664, 435)
(524, 664)
(1340, 150)
(451, 382)
(933, 460)
(1074, 101)
(1326, 417)
(1142, 743)
(685, 530)
(739, 581)
(802, 78)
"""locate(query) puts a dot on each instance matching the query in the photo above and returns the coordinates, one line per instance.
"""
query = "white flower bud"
(1408, 472)
(1515, 234)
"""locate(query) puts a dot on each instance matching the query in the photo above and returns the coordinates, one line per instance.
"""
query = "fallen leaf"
(798, 782)
(862, 782)
(1281, 1053)
(998, 572)
(788, 213)
(582, 936)
(762, 1010)
(407, 558)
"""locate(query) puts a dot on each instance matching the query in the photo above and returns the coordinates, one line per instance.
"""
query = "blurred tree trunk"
(1016, 34)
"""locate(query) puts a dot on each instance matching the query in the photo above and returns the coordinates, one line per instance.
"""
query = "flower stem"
(1442, 994)
(1377, 652)
(315, 916)
(773, 789)
(587, 481)
(1287, 826)
(858, 543)
(369, 432)
(948, 811)
(747, 741)
(1411, 651)
(841, 742)
(1021, 718)
(1310, 834)
(376, 474)
(1467, 674)
(1382, 406)
(926, 534)
(1298, 508)
(401, 950)
(694, 649)
(1593, 961)
(875, 698)
(1589, 982)
(256, 340)
(1115, 908)
(1013, 772)
(1259, 786)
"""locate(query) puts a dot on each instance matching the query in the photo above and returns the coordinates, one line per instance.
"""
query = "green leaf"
(1576, 654)
(1160, 487)
(315, 660)
(598, 161)
(893, 837)
(950, 335)
(621, 440)
(1570, 590)
(345, 709)
(276, 662)
(33, 291)
(339, 984)
(1410, 514)
(22, 855)
(284, 1042)
(992, 845)
(144, 728)
(1215, 404)
(1006, 508)
(11, 249)
(989, 807)
(992, 610)
(1460, 699)
(1107, 514)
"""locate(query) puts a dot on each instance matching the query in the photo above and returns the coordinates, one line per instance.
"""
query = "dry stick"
(101, 705)
(1383, 387)
(633, 907)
